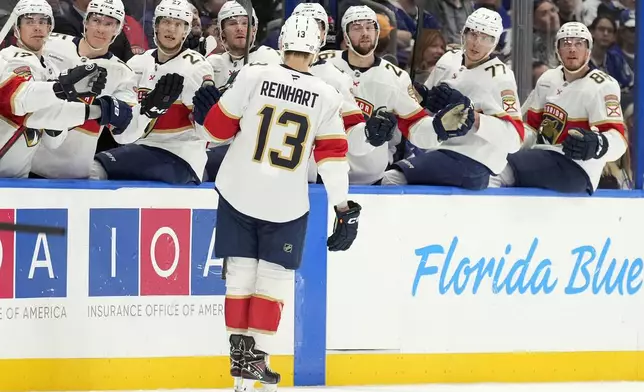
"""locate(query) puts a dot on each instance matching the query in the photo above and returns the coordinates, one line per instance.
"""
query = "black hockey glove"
(114, 112)
(205, 98)
(80, 82)
(581, 144)
(454, 120)
(380, 128)
(423, 91)
(167, 90)
(345, 229)
(440, 96)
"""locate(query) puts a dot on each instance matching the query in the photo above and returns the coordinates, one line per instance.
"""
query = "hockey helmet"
(177, 9)
(300, 34)
(231, 9)
(574, 30)
(357, 13)
(485, 21)
(27, 7)
(315, 11)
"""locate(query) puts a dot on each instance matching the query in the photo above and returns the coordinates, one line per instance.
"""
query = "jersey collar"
(155, 55)
(345, 57)
(295, 70)
(492, 57)
(77, 41)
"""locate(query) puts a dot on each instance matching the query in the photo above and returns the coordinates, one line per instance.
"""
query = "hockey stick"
(420, 19)
(248, 6)
(18, 227)
(8, 25)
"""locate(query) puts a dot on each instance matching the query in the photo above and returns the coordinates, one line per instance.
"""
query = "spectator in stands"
(134, 33)
(545, 26)
(538, 68)
(606, 55)
(626, 37)
(591, 9)
(451, 15)
(431, 47)
(196, 41)
(71, 23)
(569, 10)
(384, 39)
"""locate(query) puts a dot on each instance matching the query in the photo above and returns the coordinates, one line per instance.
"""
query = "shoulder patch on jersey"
(613, 107)
(509, 99)
(365, 106)
(23, 71)
(553, 123)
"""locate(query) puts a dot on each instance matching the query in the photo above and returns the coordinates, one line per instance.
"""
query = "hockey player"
(276, 114)
(232, 22)
(384, 90)
(168, 148)
(103, 23)
(31, 108)
(575, 112)
(469, 160)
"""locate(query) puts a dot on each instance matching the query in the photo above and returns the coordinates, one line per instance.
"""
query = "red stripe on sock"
(236, 312)
(264, 314)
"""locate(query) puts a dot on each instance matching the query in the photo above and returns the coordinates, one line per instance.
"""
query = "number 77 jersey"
(278, 117)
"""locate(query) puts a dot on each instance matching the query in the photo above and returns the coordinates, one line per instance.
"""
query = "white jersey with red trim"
(278, 117)
(173, 131)
(27, 101)
(593, 101)
(223, 65)
(383, 86)
(73, 159)
(493, 91)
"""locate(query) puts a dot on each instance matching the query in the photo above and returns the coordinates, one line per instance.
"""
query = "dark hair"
(596, 21)
(302, 55)
(537, 64)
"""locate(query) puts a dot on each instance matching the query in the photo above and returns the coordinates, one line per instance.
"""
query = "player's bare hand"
(582, 144)
(380, 128)
(205, 98)
(440, 96)
(345, 229)
(454, 120)
(167, 90)
(81, 82)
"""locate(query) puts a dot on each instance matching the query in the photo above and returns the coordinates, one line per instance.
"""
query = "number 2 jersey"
(74, 157)
(278, 117)
(591, 102)
(493, 91)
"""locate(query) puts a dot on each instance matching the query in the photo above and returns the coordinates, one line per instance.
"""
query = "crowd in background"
(611, 22)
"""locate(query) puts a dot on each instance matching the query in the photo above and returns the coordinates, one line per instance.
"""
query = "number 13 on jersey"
(294, 141)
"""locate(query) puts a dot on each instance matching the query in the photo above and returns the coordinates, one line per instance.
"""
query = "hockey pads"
(116, 113)
(440, 96)
(83, 81)
(454, 120)
(205, 98)
(581, 144)
(345, 229)
(380, 128)
(165, 93)
(423, 92)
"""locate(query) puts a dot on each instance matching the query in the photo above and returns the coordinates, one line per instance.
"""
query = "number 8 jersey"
(278, 117)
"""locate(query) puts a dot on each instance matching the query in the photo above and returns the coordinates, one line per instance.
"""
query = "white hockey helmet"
(231, 9)
(300, 34)
(357, 13)
(28, 7)
(177, 9)
(574, 30)
(315, 11)
(485, 21)
(111, 8)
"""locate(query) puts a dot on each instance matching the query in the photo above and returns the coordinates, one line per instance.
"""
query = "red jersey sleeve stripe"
(405, 123)
(352, 119)
(517, 124)
(330, 149)
(220, 125)
(607, 126)
(534, 119)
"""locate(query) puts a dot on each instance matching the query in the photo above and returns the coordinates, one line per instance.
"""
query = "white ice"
(548, 387)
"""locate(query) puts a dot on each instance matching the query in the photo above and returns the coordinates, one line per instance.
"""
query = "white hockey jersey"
(383, 86)
(223, 65)
(555, 106)
(28, 100)
(493, 91)
(74, 157)
(277, 116)
(175, 130)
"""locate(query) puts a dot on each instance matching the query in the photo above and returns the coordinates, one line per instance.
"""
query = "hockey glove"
(440, 96)
(165, 93)
(380, 128)
(114, 112)
(581, 144)
(80, 82)
(345, 229)
(455, 120)
(423, 92)
(205, 98)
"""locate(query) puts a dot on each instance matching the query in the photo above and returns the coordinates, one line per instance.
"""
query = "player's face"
(478, 45)
(573, 52)
(170, 33)
(100, 30)
(34, 30)
(234, 32)
(362, 34)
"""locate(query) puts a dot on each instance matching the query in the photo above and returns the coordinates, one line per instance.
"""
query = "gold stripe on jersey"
(355, 112)
(329, 137)
(331, 159)
(412, 114)
(227, 113)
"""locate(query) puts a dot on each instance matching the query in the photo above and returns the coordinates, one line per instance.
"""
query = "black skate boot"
(236, 355)
(256, 366)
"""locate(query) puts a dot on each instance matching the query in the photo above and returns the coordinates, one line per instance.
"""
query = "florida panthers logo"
(365, 106)
(553, 124)
(142, 93)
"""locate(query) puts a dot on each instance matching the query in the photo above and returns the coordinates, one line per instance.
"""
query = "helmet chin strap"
(24, 45)
(350, 45)
(578, 70)
(159, 46)
(483, 59)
